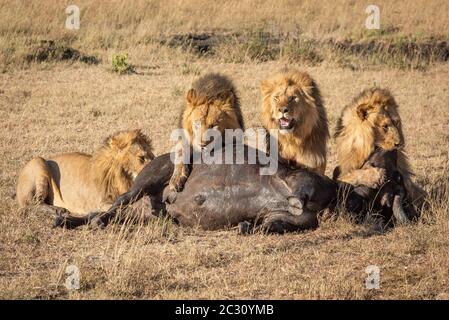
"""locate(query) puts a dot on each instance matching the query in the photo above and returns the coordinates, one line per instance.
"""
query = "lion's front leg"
(179, 177)
(182, 169)
(370, 177)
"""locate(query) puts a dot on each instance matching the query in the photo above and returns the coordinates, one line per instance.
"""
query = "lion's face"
(289, 108)
(386, 124)
(289, 105)
(133, 150)
(138, 155)
(387, 133)
(202, 116)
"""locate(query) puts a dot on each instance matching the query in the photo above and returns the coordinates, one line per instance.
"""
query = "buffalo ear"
(266, 87)
(336, 173)
(191, 96)
(362, 111)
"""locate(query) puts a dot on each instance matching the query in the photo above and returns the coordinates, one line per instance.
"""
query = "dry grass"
(140, 27)
(49, 108)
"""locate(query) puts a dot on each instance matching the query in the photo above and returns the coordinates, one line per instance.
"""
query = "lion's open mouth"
(285, 124)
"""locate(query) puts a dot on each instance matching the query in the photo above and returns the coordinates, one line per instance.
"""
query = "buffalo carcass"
(224, 195)
(389, 200)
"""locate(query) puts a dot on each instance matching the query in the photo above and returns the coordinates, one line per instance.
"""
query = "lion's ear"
(362, 111)
(307, 91)
(117, 141)
(266, 87)
(229, 97)
(191, 96)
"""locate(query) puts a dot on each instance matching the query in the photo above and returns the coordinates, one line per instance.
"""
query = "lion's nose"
(285, 110)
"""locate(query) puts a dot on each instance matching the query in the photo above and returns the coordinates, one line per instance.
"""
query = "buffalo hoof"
(244, 228)
(169, 196)
(398, 211)
(296, 206)
(59, 222)
(62, 219)
(96, 221)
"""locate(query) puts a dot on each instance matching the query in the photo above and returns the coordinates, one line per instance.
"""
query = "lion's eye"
(385, 127)
(142, 159)
(276, 98)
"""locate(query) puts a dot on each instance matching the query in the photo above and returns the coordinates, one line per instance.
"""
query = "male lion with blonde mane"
(82, 183)
(211, 103)
(372, 121)
(292, 104)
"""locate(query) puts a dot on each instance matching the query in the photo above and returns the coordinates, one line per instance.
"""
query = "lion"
(211, 103)
(292, 104)
(81, 183)
(369, 122)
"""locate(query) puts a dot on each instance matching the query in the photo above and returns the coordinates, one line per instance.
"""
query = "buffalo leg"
(98, 219)
(150, 181)
(102, 219)
(48, 210)
(282, 222)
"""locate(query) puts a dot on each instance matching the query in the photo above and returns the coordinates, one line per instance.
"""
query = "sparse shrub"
(120, 63)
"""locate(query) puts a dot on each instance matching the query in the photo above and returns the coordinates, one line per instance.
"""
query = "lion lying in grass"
(372, 120)
(82, 183)
(292, 104)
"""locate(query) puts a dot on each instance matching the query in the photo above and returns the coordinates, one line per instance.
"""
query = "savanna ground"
(52, 103)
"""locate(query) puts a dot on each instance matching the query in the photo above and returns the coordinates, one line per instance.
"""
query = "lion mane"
(292, 104)
(358, 130)
(82, 183)
(211, 103)
(371, 121)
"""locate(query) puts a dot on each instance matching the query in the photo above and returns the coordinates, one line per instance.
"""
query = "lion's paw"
(177, 183)
(296, 206)
(243, 228)
(96, 223)
(377, 178)
(169, 196)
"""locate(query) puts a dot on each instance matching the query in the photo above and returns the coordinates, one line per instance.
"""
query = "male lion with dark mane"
(292, 104)
(372, 121)
(82, 183)
(211, 103)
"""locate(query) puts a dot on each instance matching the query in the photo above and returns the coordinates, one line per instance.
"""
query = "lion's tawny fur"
(305, 144)
(372, 120)
(356, 138)
(82, 183)
(211, 103)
